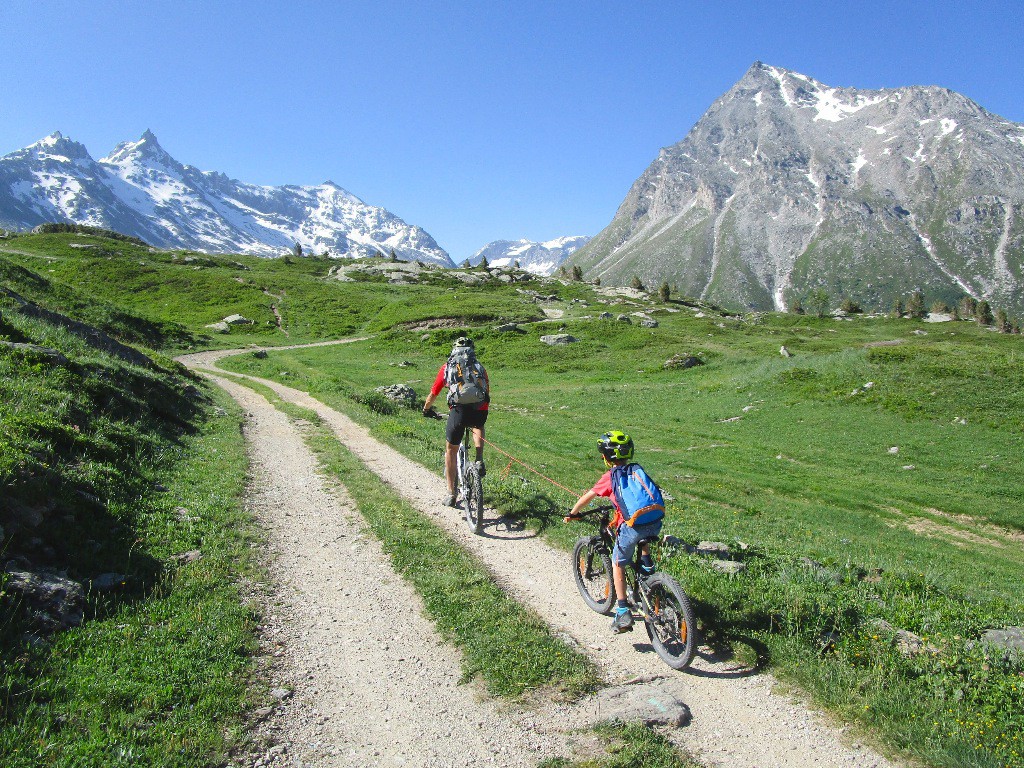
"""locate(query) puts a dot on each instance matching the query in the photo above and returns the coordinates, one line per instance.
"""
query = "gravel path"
(369, 707)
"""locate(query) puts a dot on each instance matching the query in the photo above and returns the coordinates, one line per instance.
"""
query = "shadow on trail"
(721, 639)
(514, 529)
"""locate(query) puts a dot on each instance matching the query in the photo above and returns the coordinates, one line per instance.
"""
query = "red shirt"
(439, 385)
(603, 487)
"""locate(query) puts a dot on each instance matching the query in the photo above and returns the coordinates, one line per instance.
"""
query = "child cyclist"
(639, 513)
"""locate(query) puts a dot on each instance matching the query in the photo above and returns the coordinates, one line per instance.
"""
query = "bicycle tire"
(670, 621)
(473, 499)
(592, 569)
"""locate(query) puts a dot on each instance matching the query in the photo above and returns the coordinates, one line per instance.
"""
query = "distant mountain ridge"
(140, 190)
(538, 258)
(786, 185)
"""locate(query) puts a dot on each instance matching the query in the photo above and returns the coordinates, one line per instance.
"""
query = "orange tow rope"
(512, 459)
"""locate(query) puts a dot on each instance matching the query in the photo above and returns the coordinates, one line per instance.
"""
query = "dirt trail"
(736, 718)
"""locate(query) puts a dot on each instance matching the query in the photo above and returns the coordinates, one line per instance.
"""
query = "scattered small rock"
(728, 567)
(260, 354)
(682, 361)
(784, 352)
(106, 582)
(558, 339)
(185, 558)
(34, 350)
(1010, 639)
(907, 642)
(648, 322)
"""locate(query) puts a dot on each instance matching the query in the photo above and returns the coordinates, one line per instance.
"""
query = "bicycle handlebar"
(588, 512)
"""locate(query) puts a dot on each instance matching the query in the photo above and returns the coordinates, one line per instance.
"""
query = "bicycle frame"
(467, 480)
(636, 594)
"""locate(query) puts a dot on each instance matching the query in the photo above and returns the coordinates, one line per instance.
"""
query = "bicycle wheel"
(669, 620)
(592, 567)
(473, 498)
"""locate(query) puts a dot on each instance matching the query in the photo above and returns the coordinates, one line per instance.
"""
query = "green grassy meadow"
(894, 468)
(869, 482)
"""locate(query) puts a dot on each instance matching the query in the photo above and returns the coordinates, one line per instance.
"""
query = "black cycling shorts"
(461, 417)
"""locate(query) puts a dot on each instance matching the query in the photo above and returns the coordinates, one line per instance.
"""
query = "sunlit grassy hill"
(117, 647)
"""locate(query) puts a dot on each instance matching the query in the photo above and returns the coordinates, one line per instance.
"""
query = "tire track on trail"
(374, 683)
(737, 719)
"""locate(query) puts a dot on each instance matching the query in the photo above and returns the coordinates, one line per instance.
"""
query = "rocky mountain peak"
(787, 184)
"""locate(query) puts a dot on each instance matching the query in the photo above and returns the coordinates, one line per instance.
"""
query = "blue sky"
(477, 121)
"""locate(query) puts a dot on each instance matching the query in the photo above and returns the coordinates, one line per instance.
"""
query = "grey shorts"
(626, 540)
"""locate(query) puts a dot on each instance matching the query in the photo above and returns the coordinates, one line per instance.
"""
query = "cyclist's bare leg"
(450, 454)
(478, 442)
(619, 577)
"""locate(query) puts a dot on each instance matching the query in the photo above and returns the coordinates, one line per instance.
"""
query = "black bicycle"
(657, 599)
(470, 485)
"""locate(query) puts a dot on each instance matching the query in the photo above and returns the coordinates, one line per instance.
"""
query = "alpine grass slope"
(787, 185)
(140, 190)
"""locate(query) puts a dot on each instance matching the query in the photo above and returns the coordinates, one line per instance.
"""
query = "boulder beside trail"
(55, 602)
(399, 393)
(648, 702)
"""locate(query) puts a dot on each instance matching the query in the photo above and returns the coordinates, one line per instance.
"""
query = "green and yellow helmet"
(615, 446)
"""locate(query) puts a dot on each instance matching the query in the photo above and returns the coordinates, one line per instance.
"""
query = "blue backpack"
(637, 495)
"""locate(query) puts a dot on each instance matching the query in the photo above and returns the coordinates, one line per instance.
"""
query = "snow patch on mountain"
(540, 258)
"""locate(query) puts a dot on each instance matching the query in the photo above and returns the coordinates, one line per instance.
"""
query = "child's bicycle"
(470, 486)
(657, 599)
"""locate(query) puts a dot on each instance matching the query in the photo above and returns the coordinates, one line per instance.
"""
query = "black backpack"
(466, 378)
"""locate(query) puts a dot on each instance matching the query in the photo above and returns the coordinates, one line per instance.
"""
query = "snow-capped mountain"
(539, 258)
(786, 185)
(140, 190)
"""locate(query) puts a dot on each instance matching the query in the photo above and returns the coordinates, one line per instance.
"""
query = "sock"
(621, 606)
(647, 562)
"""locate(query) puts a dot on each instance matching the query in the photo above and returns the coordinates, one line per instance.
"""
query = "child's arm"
(585, 499)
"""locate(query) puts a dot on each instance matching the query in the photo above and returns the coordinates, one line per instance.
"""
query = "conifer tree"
(577, 272)
(664, 293)
(915, 305)
(819, 301)
(968, 306)
(983, 313)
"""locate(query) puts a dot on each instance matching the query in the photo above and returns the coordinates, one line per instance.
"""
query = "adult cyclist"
(468, 400)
